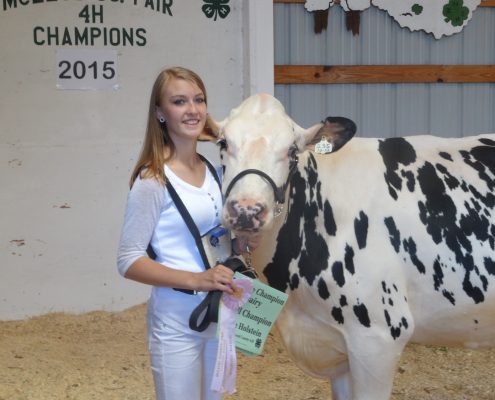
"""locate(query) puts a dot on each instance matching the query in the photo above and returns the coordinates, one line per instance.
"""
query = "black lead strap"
(209, 305)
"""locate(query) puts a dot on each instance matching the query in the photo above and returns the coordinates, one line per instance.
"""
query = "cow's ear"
(305, 136)
(212, 130)
(336, 130)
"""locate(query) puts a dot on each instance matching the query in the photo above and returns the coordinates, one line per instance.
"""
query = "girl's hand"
(217, 278)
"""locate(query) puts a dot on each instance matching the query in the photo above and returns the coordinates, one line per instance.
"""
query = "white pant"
(182, 363)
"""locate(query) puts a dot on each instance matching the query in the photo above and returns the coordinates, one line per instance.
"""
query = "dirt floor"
(103, 356)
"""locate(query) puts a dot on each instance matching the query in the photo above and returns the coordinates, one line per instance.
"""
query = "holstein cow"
(381, 241)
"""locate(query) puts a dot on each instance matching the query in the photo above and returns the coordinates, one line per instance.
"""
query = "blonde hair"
(157, 146)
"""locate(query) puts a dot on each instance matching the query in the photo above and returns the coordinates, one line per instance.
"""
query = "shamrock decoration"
(417, 9)
(215, 8)
(455, 12)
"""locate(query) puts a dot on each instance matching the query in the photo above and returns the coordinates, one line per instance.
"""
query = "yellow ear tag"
(324, 146)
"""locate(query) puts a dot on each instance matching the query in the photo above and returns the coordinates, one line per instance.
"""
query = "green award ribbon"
(256, 317)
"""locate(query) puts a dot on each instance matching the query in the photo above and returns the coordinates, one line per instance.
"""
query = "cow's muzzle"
(278, 191)
(246, 214)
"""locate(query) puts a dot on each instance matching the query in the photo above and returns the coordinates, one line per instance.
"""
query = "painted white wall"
(66, 155)
(258, 49)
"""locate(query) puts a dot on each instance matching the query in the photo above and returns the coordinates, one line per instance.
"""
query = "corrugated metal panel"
(386, 110)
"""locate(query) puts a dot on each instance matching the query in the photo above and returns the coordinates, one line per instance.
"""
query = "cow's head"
(259, 146)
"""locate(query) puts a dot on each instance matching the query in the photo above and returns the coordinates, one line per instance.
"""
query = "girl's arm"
(143, 209)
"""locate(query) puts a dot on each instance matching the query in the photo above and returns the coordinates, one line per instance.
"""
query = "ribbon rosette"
(224, 375)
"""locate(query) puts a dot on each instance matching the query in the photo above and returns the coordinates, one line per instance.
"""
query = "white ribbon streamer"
(225, 372)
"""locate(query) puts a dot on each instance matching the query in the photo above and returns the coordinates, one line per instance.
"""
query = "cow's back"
(415, 219)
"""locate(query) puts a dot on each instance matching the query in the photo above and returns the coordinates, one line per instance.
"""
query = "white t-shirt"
(152, 217)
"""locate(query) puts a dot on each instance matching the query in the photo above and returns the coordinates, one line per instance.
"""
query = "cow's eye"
(292, 152)
(222, 143)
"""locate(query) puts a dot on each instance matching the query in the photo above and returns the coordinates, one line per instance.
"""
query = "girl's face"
(183, 106)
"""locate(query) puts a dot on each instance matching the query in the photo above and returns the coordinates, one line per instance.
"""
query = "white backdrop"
(66, 155)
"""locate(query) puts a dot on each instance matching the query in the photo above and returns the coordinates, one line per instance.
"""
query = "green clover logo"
(417, 9)
(455, 12)
(215, 8)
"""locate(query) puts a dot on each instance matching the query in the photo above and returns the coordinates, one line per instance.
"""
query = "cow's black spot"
(395, 151)
(483, 279)
(323, 289)
(474, 223)
(388, 320)
(489, 265)
(395, 331)
(314, 258)
(475, 203)
(349, 259)
(445, 155)
(343, 301)
(315, 254)
(312, 176)
(337, 315)
(488, 201)
(361, 313)
(289, 239)
(449, 296)
(294, 282)
(338, 273)
(361, 229)
(328, 219)
(451, 181)
(482, 158)
(472, 291)
(385, 288)
(405, 324)
(437, 274)
(438, 281)
(438, 211)
(393, 233)
(390, 302)
(410, 180)
(488, 142)
(410, 248)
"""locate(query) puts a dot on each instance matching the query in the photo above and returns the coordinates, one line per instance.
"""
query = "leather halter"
(278, 191)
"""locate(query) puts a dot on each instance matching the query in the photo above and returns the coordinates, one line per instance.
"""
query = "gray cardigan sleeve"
(143, 209)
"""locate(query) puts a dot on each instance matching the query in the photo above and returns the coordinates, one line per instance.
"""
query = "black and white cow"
(381, 241)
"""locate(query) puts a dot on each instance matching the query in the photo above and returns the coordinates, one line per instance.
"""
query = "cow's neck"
(283, 243)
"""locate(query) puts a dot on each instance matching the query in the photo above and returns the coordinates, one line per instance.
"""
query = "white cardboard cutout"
(438, 17)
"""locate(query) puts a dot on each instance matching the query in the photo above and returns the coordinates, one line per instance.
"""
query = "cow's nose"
(246, 214)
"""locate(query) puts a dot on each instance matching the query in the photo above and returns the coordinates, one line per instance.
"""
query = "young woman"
(182, 360)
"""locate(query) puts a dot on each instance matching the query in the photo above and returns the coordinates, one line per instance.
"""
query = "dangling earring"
(161, 119)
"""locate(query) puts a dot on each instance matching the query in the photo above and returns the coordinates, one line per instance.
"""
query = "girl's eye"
(178, 102)
(200, 100)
